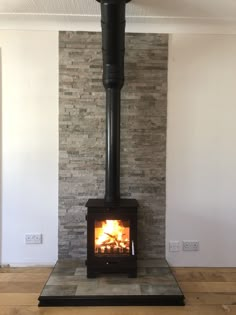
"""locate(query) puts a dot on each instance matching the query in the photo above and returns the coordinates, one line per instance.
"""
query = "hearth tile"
(158, 271)
(59, 280)
(81, 271)
(142, 271)
(118, 280)
(108, 289)
(65, 268)
(64, 271)
(68, 285)
(156, 281)
(153, 263)
(160, 289)
(87, 288)
(162, 276)
(69, 264)
(59, 290)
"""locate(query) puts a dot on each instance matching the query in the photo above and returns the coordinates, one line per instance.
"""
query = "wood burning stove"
(112, 237)
(112, 222)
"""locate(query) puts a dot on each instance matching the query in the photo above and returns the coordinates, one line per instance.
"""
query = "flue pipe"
(113, 49)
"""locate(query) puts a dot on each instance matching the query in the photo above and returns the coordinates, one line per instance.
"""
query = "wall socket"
(174, 246)
(190, 245)
(33, 238)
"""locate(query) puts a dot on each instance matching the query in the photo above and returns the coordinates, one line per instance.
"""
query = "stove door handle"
(132, 248)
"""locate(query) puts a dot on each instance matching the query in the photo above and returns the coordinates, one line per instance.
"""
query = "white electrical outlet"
(190, 245)
(33, 238)
(174, 246)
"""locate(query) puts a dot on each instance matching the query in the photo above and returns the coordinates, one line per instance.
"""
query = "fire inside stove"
(112, 237)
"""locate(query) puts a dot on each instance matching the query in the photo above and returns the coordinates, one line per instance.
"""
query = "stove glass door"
(112, 237)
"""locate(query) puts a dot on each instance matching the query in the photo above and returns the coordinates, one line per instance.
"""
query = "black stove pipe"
(113, 49)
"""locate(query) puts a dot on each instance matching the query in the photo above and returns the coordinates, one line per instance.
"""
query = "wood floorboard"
(19, 299)
(205, 275)
(131, 310)
(208, 291)
(210, 298)
(207, 287)
(23, 277)
(41, 270)
(180, 270)
(22, 287)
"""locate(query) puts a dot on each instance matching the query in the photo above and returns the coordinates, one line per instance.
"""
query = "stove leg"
(91, 274)
(132, 274)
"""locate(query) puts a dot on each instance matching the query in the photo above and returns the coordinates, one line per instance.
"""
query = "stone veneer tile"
(82, 136)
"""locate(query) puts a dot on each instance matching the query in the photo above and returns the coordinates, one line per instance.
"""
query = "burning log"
(111, 238)
(114, 242)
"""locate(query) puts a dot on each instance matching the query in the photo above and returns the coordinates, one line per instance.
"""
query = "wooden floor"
(208, 291)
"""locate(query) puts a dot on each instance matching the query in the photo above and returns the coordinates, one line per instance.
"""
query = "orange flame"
(112, 237)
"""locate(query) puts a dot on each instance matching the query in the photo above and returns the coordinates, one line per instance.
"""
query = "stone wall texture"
(82, 137)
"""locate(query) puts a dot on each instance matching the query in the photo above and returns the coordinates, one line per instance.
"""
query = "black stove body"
(112, 222)
(112, 237)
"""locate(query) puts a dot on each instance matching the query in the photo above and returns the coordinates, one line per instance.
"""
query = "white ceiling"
(157, 14)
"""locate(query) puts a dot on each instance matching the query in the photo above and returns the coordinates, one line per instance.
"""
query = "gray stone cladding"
(82, 137)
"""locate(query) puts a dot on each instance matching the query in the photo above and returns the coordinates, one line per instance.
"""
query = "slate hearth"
(68, 285)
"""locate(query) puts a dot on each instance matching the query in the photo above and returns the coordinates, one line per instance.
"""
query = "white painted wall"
(29, 145)
(201, 150)
(135, 24)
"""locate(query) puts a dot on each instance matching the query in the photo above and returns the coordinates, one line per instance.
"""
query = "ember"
(112, 237)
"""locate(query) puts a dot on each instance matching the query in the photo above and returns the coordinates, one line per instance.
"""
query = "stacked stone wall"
(82, 137)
